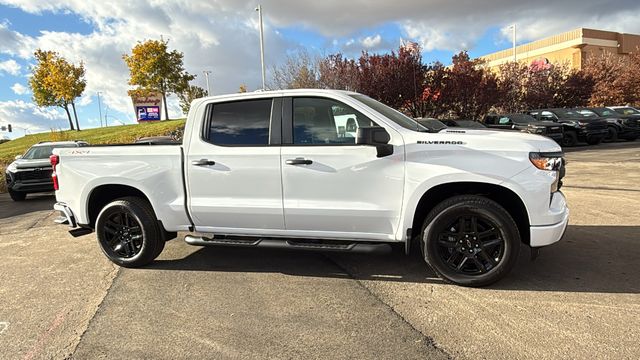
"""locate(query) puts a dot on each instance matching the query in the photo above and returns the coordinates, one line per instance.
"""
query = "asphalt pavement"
(60, 298)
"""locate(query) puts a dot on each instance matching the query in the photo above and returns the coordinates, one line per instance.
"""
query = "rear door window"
(240, 123)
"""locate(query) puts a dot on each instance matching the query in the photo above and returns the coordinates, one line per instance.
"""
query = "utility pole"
(206, 76)
(100, 108)
(513, 27)
(259, 10)
(106, 111)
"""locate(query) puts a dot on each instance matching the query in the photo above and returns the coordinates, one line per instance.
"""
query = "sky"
(222, 36)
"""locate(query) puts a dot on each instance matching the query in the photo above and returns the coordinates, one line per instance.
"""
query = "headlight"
(12, 167)
(538, 130)
(547, 161)
(582, 124)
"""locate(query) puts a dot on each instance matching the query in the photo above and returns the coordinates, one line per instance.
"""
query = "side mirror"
(18, 157)
(376, 136)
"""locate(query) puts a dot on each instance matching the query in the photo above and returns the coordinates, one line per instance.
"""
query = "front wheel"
(569, 138)
(128, 232)
(470, 240)
(612, 134)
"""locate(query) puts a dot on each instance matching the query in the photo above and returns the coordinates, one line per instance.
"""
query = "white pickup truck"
(275, 169)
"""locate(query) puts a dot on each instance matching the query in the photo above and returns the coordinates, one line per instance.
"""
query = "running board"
(335, 246)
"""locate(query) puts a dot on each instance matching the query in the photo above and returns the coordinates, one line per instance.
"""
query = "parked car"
(31, 172)
(525, 123)
(620, 126)
(468, 124)
(625, 110)
(273, 169)
(433, 125)
(157, 140)
(576, 127)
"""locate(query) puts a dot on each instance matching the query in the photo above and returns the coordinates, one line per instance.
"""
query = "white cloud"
(19, 89)
(25, 115)
(10, 67)
(371, 41)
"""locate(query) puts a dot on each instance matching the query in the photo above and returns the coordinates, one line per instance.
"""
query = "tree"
(242, 88)
(300, 71)
(469, 89)
(429, 100)
(153, 68)
(394, 79)
(609, 86)
(511, 81)
(338, 72)
(189, 94)
(56, 82)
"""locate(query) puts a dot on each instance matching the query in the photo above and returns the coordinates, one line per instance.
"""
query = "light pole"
(206, 76)
(513, 27)
(106, 111)
(259, 10)
(100, 108)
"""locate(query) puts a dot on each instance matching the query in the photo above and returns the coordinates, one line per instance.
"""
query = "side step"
(309, 245)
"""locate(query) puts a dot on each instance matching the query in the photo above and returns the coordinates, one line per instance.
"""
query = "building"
(573, 48)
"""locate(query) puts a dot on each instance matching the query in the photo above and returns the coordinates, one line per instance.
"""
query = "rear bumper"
(67, 213)
(548, 234)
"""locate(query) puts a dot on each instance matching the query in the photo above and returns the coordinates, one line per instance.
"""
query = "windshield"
(42, 152)
(390, 113)
(587, 113)
(627, 111)
(604, 112)
(521, 118)
(564, 113)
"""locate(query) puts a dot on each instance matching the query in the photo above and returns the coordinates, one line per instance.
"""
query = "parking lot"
(60, 297)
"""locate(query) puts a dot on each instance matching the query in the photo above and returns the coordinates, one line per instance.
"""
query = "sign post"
(148, 107)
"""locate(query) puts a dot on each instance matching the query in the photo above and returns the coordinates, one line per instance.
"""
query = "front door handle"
(299, 161)
(203, 162)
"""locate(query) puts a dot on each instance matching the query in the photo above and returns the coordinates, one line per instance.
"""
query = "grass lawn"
(107, 135)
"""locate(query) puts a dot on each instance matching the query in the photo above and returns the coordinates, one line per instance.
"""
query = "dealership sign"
(148, 107)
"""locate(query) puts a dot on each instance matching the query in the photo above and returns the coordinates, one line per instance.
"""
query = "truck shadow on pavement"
(33, 202)
(601, 259)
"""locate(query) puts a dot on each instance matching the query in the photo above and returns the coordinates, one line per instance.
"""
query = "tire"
(612, 136)
(128, 232)
(480, 267)
(594, 141)
(17, 195)
(569, 139)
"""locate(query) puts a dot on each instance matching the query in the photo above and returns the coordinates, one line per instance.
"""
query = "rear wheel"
(128, 232)
(612, 135)
(470, 240)
(17, 195)
(569, 139)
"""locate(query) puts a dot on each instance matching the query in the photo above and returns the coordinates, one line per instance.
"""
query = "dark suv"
(620, 126)
(525, 123)
(31, 172)
(576, 127)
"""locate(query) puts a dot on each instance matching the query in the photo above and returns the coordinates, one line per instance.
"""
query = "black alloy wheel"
(128, 232)
(123, 234)
(470, 240)
(471, 245)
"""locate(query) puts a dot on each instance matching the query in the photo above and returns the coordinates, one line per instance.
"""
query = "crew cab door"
(233, 167)
(334, 188)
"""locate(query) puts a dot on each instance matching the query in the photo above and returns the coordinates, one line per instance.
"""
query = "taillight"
(54, 160)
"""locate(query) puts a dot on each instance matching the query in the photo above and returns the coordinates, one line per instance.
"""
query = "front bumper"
(548, 234)
(44, 184)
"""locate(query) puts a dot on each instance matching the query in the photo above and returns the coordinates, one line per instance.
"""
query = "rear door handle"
(203, 162)
(299, 161)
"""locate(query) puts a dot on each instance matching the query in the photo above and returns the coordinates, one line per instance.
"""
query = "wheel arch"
(504, 196)
(102, 195)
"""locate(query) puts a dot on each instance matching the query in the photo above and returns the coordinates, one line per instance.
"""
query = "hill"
(106, 135)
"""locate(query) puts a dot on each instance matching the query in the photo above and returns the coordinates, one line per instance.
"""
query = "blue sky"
(222, 36)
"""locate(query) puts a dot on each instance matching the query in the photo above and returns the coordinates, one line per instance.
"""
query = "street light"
(206, 76)
(259, 10)
(513, 27)
(100, 108)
